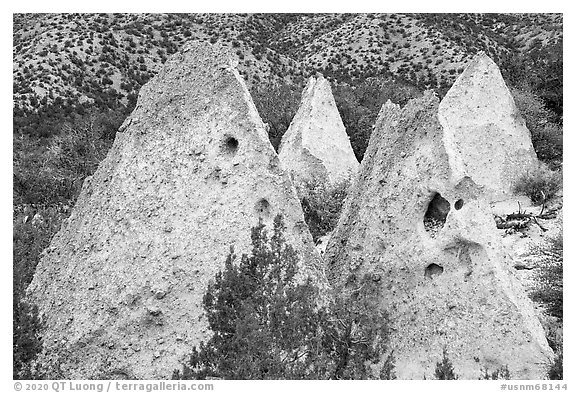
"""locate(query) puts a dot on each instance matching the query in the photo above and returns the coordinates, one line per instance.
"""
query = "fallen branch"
(505, 223)
(521, 219)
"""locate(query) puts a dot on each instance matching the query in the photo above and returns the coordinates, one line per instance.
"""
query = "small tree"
(445, 369)
(267, 322)
(549, 277)
(322, 204)
(540, 185)
(357, 333)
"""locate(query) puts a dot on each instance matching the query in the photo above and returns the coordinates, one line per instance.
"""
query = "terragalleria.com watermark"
(111, 386)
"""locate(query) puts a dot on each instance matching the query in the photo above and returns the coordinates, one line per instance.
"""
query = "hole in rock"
(459, 203)
(433, 270)
(230, 144)
(435, 216)
(263, 208)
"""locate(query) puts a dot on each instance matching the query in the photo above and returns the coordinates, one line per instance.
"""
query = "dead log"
(521, 219)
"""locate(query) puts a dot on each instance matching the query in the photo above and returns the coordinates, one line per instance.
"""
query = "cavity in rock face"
(190, 173)
(433, 270)
(436, 213)
(485, 136)
(451, 289)
(316, 147)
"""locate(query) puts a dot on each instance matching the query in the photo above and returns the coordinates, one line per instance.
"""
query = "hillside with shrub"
(71, 68)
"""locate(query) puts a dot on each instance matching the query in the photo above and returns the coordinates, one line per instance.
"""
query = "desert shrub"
(356, 334)
(277, 105)
(549, 276)
(556, 370)
(547, 136)
(357, 116)
(270, 324)
(532, 108)
(359, 105)
(52, 170)
(31, 184)
(76, 152)
(501, 373)
(540, 184)
(26, 340)
(539, 70)
(444, 369)
(548, 144)
(30, 237)
(322, 204)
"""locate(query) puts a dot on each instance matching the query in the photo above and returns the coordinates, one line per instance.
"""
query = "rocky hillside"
(68, 60)
(77, 76)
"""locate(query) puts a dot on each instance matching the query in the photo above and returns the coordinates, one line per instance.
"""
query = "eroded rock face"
(190, 173)
(432, 246)
(485, 137)
(316, 146)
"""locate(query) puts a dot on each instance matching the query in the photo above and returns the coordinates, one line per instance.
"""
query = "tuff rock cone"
(433, 249)
(190, 173)
(485, 137)
(316, 147)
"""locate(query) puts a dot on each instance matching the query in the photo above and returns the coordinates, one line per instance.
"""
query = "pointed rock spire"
(485, 136)
(433, 249)
(190, 173)
(316, 145)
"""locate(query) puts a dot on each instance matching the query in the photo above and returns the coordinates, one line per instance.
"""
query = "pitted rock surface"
(190, 173)
(316, 146)
(485, 137)
(446, 280)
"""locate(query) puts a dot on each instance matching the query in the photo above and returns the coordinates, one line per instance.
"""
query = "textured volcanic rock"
(316, 146)
(190, 172)
(432, 246)
(485, 136)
